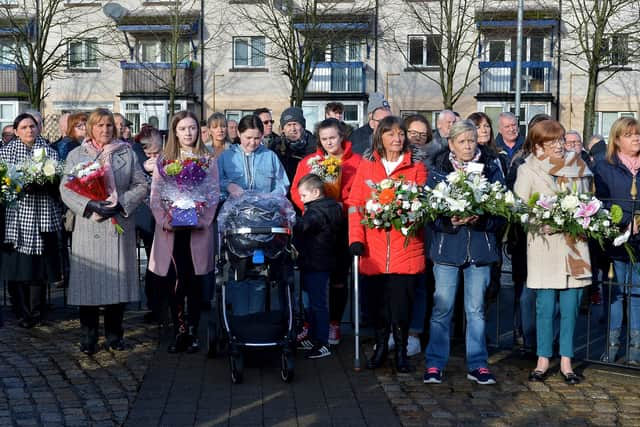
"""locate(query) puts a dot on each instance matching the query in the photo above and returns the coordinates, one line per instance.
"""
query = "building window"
(616, 49)
(248, 52)
(424, 51)
(155, 51)
(237, 115)
(83, 54)
(604, 120)
(7, 52)
(8, 112)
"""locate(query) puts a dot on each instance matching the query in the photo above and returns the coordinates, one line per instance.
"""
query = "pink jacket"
(202, 240)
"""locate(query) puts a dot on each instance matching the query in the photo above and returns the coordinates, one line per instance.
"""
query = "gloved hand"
(102, 208)
(356, 249)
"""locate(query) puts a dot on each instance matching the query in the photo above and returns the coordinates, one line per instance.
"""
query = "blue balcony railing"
(500, 77)
(338, 77)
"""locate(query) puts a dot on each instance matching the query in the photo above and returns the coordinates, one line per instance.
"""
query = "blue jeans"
(525, 313)
(419, 306)
(630, 275)
(545, 313)
(476, 280)
(316, 283)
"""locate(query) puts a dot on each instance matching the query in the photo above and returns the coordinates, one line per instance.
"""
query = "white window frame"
(250, 49)
(600, 130)
(85, 54)
(425, 59)
(160, 46)
(320, 106)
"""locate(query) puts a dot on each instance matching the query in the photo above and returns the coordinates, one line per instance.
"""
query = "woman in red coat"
(330, 134)
(391, 268)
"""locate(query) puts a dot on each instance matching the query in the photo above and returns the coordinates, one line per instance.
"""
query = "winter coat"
(64, 146)
(510, 152)
(260, 171)
(473, 244)
(317, 232)
(546, 264)
(291, 152)
(613, 185)
(103, 263)
(202, 243)
(361, 139)
(385, 251)
(349, 165)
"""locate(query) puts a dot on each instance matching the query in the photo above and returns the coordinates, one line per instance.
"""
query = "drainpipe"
(202, 117)
(559, 62)
(375, 49)
(519, 61)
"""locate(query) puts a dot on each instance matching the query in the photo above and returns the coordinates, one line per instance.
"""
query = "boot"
(381, 350)
(194, 345)
(401, 336)
(614, 345)
(634, 347)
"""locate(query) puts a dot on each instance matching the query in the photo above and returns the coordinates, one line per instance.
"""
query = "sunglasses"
(268, 122)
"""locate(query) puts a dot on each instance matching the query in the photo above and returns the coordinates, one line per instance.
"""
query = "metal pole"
(356, 311)
(202, 117)
(519, 60)
(375, 49)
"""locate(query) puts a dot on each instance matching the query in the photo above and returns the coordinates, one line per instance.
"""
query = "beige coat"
(103, 263)
(547, 254)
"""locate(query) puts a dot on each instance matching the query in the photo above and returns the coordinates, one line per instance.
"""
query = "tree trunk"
(590, 104)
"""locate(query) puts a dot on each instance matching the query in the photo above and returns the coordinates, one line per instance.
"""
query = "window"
(82, 54)
(237, 114)
(616, 49)
(7, 52)
(424, 51)
(604, 120)
(160, 50)
(7, 113)
(248, 52)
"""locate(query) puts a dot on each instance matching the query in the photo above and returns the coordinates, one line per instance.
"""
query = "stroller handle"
(259, 230)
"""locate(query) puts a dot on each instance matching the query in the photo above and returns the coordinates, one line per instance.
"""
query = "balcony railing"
(153, 77)
(500, 77)
(10, 80)
(338, 77)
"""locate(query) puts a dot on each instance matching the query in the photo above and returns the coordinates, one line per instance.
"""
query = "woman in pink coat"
(186, 180)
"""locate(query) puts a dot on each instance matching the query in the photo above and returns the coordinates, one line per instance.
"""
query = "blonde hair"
(619, 127)
(172, 148)
(95, 117)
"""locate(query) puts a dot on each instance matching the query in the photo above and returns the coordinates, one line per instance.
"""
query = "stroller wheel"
(236, 366)
(215, 340)
(287, 362)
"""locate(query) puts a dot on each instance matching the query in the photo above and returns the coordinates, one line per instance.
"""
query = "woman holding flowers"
(617, 181)
(184, 199)
(336, 164)
(558, 264)
(391, 261)
(103, 257)
(463, 242)
(30, 254)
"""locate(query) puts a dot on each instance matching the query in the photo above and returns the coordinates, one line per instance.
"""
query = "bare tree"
(602, 38)
(41, 33)
(298, 31)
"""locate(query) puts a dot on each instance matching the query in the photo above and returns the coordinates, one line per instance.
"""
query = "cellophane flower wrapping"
(40, 169)
(395, 203)
(186, 189)
(10, 184)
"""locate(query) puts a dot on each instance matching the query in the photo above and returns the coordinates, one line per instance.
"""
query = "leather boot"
(401, 336)
(381, 350)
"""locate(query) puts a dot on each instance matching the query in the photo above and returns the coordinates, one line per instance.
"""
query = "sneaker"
(432, 376)
(304, 333)
(194, 347)
(318, 352)
(413, 346)
(391, 343)
(305, 345)
(481, 376)
(334, 333)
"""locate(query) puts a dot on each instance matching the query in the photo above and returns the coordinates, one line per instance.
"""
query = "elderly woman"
(250, 165)
(103, 262)
(558, 266)
(183, 256)
(30, 255)
(617, 181)
(478, 235)
(330, 134)
(391, 266)
(76, 133)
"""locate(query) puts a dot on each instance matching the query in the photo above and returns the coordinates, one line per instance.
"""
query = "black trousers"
(90, 322)
(390, 299)
(28, 299)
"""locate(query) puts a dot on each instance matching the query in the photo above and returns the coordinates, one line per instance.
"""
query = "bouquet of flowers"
(395, 203)
(40, 170)
(329, 169)
(10, 184)
(182, 190)
(89, 179)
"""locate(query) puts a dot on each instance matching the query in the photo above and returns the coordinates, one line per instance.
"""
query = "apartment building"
(126, 53)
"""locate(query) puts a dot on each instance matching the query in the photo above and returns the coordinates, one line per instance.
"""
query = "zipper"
(486, 236)
(469, 245)
(388, 251)
(441, 242)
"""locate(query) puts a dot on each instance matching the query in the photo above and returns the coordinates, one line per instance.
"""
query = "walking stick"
(356, 311)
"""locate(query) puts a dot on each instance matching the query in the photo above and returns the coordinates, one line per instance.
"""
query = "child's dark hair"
(250, 122)
(312, 182)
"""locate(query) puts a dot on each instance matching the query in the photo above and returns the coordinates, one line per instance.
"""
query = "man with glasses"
(377, 109)
(573, 142)
(7, 134)
(269, 139)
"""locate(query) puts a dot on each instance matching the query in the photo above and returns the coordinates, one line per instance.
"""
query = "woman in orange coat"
(391, 268)
(330, 134)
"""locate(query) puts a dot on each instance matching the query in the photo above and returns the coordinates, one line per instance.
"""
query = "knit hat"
(376, 100)
(292, 114)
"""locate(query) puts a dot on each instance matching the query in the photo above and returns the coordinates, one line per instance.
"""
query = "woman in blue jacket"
(617, 181)
(476, 234)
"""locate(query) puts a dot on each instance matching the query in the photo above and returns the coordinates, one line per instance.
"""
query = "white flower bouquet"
(40, 170)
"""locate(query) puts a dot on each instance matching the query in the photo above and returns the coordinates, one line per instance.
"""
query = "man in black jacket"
(377, 109)
(296, 142)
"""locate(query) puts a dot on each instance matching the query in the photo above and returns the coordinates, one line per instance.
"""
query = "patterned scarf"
(462, 165)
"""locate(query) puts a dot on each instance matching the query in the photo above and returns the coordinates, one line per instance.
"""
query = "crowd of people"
(409, 282)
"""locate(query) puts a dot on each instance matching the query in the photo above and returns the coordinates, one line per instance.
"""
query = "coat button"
(96, 236)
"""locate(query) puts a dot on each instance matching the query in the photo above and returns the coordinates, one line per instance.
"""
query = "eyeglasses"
(558, 143)
(6, 134)
(268, 122)
(571, 143)
(416, 134)
(80, 126)
(629, 134)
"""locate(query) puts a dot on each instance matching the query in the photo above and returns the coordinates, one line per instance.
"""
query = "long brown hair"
(384, 126)
(172, 148)
(477, 118)
(618, 128)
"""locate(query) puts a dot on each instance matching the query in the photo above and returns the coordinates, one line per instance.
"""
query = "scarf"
(461, 165)
(630, 162)
(104, 155)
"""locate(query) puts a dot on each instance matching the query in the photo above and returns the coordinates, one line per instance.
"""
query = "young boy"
(315, 232)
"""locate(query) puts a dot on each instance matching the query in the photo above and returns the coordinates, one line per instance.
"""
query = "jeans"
(630, 275)
(476, 280)
(419, 310)
(316, 283)
(524, 314)
(545, 313)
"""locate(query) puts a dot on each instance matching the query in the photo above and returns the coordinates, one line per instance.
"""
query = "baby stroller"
(254, 302)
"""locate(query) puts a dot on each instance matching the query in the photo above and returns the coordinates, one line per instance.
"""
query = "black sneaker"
(481, 376)
(305, 345)
(432, 376)
(318, 352)
(194, 347)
